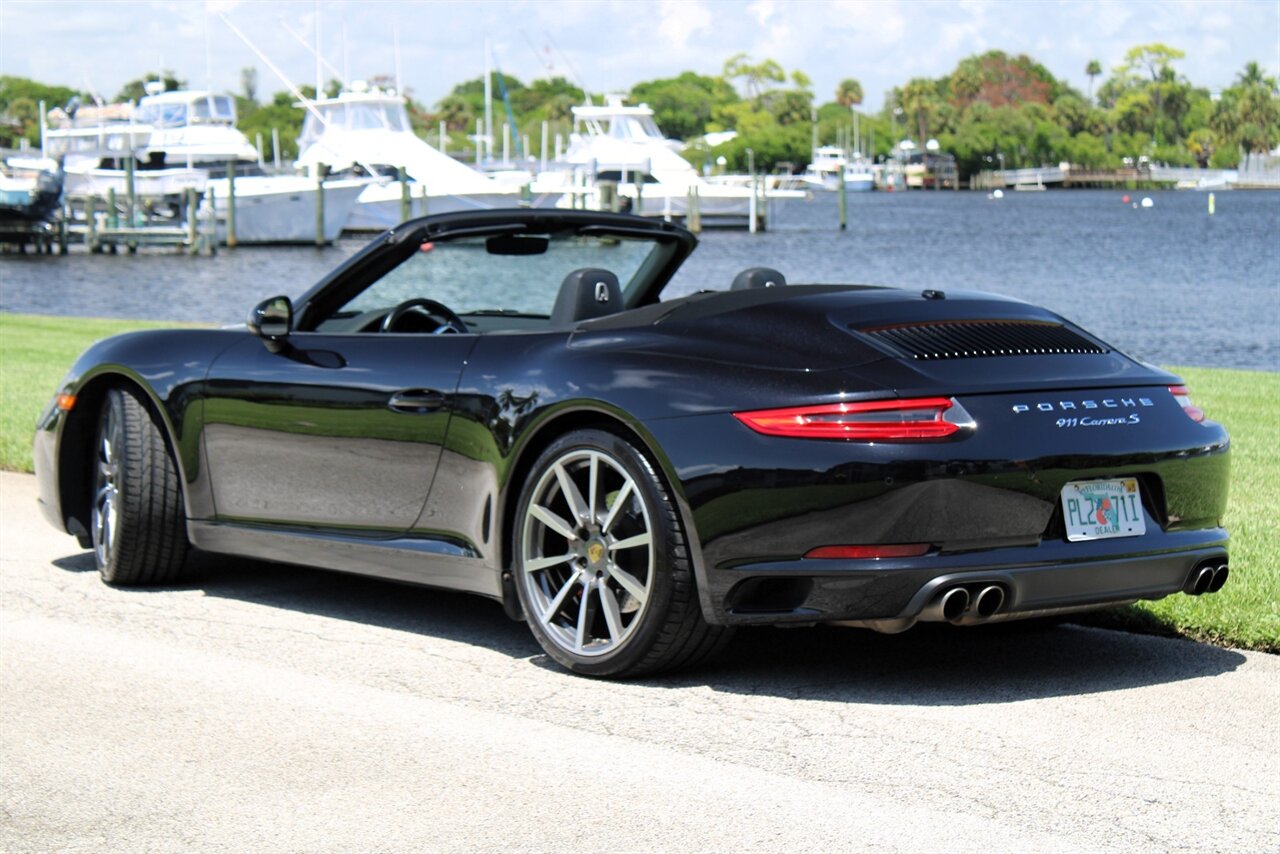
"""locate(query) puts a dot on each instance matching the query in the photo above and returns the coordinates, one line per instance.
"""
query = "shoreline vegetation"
(993, 111)
(36, 351)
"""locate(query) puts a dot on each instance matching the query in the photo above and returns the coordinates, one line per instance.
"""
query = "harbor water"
(1168, 283)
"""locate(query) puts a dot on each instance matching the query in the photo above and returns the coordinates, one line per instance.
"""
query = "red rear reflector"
(66, 402)
(864, 552)
(1183, 398)
(874, 420)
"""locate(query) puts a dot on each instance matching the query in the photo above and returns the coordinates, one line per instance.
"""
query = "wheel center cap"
(595, 552)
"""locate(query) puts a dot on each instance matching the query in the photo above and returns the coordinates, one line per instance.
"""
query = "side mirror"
(271, 320)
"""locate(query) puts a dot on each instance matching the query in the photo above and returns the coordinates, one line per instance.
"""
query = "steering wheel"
(450, 323)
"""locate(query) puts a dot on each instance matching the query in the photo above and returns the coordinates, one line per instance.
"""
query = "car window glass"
(463, 275)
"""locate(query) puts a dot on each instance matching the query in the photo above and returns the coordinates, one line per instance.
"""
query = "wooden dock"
(1129, 178)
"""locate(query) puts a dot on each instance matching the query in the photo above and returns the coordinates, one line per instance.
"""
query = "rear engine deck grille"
(970, 339)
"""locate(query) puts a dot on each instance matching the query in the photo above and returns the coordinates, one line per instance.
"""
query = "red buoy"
(1124, 199)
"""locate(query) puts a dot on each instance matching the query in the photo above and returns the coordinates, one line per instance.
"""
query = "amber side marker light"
(865, 552)
(1183, 397)
(66, 402)
(866, 420)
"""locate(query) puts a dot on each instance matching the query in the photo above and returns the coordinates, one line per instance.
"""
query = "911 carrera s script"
(1099, 422)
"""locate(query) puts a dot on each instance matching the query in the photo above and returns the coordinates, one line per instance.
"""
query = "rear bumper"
(895, 593)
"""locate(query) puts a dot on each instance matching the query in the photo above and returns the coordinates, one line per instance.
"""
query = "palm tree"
(1253, 75)
(919, 98)
(849, 93)
(1093, 69)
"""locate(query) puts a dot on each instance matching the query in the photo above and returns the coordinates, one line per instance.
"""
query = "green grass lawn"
(35, 353)
(1246, 613)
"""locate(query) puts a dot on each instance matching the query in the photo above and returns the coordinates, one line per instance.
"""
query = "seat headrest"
(757, 277)
(587, 294)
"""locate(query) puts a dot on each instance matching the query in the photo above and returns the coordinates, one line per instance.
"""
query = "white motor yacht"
(830, 165)
(858, 176)
(188, 139)
(826, 166)
(366, 131)
(624, 144)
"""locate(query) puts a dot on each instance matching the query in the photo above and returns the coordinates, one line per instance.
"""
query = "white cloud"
(680, 19)
(762, 11)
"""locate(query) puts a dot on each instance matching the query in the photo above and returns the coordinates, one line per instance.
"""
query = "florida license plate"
(1097, 509)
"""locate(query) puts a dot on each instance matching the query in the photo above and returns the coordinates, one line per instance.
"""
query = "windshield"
(214, 109)
(512, 276)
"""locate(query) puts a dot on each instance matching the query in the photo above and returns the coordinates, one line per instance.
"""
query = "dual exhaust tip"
(1207, 578)
(958, 605)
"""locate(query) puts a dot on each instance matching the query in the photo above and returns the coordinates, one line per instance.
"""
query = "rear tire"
(602, 565)
(138, 522)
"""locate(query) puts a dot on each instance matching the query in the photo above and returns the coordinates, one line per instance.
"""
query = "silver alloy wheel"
(587, 553)
(106, 500)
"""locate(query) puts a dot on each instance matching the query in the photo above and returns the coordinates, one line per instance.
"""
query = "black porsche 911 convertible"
(501, 402)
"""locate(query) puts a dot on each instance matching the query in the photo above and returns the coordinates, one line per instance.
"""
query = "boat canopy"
(354, 112)
(178, 109)
(617, 121)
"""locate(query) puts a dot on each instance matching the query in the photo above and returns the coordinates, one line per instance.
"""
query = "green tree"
(456, 112)
(1201, 145)
(279, 114)
(849, 93)
(1253, 75)
(755, 76)
(20, 108)
(682, 105)
(1092, 69)
(919, 100)
(134, 90)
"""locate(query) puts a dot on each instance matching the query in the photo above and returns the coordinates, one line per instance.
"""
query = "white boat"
(174, 138)
(181, 140)
(366, 131)
(826, 166)
(282, 208)
(858, 176)
(619, 143)
(829, 165)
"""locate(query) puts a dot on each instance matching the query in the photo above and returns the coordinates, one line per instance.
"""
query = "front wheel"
(138, 521)
(602, 565)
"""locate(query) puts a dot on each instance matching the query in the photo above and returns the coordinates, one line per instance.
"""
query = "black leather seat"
(757, 277)
(586, 294)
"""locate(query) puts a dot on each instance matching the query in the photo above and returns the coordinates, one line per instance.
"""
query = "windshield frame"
(673, 245)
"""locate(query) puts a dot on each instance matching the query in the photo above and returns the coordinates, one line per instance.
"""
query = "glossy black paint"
(402, 455)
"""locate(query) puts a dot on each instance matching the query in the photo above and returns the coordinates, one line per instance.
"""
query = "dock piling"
(192, 223)
(64, 228)
(231, 205)
(844, 202)
(90, 224)
(320, 170)
(693, 213)
(406, 202)
(131, 198)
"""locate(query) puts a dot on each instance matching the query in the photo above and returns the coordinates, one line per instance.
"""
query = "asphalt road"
(268, 708)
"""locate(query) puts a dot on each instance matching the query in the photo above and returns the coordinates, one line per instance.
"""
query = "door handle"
(416, 400)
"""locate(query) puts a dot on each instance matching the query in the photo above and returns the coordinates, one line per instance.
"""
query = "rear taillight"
(1180, 394)
(918, 419)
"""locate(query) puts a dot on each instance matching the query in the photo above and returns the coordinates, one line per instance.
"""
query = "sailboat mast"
(395, 32)
(319, 73)
(488, 104)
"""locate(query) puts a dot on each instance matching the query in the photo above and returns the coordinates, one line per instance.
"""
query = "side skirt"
(415, 560)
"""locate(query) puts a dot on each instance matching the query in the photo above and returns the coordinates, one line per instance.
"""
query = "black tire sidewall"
(107, 567)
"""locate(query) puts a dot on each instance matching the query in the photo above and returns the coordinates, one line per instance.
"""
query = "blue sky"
(614, 43)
